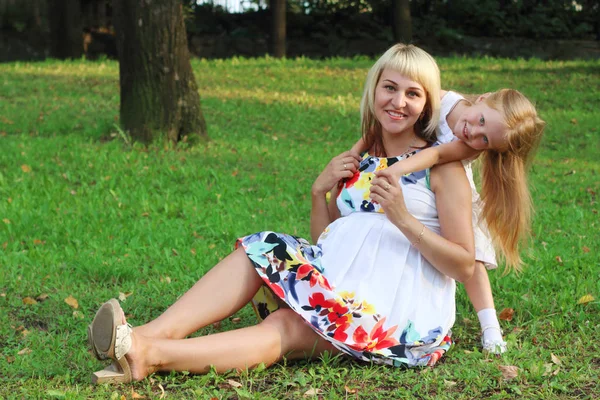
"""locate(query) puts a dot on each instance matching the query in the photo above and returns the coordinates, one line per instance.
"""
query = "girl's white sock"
(491, 333)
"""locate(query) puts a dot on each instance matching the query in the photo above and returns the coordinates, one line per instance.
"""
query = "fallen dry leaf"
(78, 314)
(558, 259)
(9, 359)
(449, 383)
(26, 168)
(506, 314)
(585, 249)
(236, 320)
(25, 332)
(585, 299)
(350, 391)
(555, 359)
(312, 392)
(162, 391)
(6, 221)
(217, 325)
(124, 296)
(233, 383)
(42, 297)
(136, 395)
(508, 371)
(24, 351)
(72, 301)
(29, 301)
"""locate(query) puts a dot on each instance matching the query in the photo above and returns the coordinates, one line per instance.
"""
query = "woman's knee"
(298, 340)
(285, 320)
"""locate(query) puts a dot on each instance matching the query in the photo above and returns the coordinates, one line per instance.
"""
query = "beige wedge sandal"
(109, 338)
(105, 319)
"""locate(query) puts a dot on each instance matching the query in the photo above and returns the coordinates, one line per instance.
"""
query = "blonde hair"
(507, 205)
(417, 65)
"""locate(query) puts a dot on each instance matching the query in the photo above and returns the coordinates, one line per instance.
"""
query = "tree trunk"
(66, 28)
(277, 28)
(402, 24)
(159, 96)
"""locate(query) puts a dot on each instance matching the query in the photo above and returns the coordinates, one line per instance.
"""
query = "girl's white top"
(484, 250)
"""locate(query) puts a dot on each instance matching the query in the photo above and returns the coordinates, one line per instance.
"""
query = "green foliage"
(84, 213)
(562, 19)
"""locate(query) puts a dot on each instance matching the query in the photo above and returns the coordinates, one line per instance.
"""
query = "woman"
(379, 285)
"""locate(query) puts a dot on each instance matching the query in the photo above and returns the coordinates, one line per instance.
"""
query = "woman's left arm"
(451, 252)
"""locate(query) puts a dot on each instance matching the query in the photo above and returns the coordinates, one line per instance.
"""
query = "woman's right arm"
(340, 167)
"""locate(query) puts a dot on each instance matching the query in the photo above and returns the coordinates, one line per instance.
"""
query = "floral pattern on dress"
(292, 273)
(362, 181)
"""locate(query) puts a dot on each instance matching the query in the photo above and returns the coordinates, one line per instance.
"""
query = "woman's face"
(481, 127)
(398, 103)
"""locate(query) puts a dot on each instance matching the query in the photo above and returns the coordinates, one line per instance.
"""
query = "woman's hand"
(386, 191)
(340, 167)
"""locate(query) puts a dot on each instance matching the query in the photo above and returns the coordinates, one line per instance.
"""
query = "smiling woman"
(379, 283)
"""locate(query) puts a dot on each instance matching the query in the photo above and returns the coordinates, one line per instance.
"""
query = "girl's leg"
(282, 333)
(479, 291)
(221, 292)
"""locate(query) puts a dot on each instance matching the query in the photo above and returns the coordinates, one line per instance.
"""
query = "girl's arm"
(442, 154)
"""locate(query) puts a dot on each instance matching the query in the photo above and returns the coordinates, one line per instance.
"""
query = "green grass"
(84, 214)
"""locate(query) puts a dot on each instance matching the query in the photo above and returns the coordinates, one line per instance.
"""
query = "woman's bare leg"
(479, 291)
(281, 334)
(221, 292)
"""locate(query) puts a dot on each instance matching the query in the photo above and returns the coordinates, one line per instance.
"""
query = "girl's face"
(398, 103)
(481, 128)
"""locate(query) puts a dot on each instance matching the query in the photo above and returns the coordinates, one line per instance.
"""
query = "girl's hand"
(386, 191)
(340, 167)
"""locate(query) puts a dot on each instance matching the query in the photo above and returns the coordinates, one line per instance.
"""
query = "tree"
(402, 25)
(65, 28)
(159, 95)
(277, 27)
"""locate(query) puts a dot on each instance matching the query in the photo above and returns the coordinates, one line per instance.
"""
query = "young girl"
(502, 127)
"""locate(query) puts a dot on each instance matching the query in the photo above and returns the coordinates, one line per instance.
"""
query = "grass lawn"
(85, 216)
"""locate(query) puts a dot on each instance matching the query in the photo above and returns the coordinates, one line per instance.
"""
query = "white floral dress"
(362, 287)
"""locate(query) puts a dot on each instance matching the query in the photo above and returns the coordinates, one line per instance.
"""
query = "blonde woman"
(378, 286)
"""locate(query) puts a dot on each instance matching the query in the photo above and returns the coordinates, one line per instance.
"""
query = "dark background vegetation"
(546, 29)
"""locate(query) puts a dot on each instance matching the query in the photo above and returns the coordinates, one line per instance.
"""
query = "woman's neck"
(398, 145)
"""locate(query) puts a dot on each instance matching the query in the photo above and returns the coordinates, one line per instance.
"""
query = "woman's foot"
(137, 356)
(115, 338)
